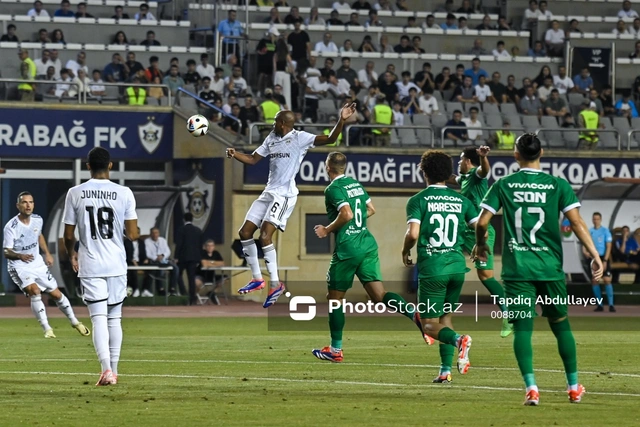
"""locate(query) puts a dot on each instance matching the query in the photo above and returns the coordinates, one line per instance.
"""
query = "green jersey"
(472, 186)
(354, 238)
(531, 201)
(443, 216)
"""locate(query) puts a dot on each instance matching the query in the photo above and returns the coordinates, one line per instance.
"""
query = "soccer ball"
(198, 125)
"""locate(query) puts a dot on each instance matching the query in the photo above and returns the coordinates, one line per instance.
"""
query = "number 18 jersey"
(444, 216)
(531, 201)
(98, 208)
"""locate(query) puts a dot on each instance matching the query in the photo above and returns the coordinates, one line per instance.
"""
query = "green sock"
(495, 288)
(446, 358)
(567, 349)
(396, 302)
(523, 332)
(336, 325)
(448, 336)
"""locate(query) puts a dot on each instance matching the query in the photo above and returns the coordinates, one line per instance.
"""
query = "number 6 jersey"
(98, 208)
(443, 215)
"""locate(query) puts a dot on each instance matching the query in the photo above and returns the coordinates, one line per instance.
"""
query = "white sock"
(98, 312)
(250, 251)
(335, 350)
(37, 307)
(65, 306)
(533, 387)
(114, 321)
(271, 261)
(573, 387)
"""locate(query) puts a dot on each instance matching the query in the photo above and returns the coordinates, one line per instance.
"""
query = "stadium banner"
(393, 171)
(72, 133)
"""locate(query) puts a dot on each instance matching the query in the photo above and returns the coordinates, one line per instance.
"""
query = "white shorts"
(39, 275)
(271, 208)
(110, 289)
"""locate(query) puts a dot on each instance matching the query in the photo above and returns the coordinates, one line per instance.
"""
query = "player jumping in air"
(437, 219)
(532, 260)
(23, 240)
(356, 252)
(101, 210)
(286, 148)
(474, 168)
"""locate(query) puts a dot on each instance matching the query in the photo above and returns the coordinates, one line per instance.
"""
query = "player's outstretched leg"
(567, 349)
(333, 352)
(446, 361)
(523, 332)
(114, 323)
(98, 312)
(65, 306)
(436, 329)
(250, 252)
(276, 288)
(38, 309)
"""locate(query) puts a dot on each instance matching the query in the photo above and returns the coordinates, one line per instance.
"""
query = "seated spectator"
(326, 45)
(37, 10)
(621, 28)
(562, 82)
(511, 91)
(404, 46)
(635, 28)
(500, 51)
(205, 69)
(210, 258)
(498, 89)
(150, 40)
(625, 107)
(65, 10)
(173, 80)
(416, 42)
(328, 65)
(373, 20)
(555, 106)
(11, 35)
(629, 246)
(154, 70)
(43, 36)
(402, 5)
(430, 23)
(626, 11)
(144, 14)
(530, 105)
(96, 85)
(274, 17)
(515, 51)
(554, 40)
(503, 25)
(367, 76)
(236, 84)
(486, 24)
(80, 86)
(57, 64)
(475, 71)
(334, 18)
(544, 91)
(366, 45)
(174, 61)
(411, 23)
(456, 129)
(398, 115)
(119, 13)
(388, 87)
(229, 124)
(361, 4)
(537, 51)
(134, 66)
(293, 16)
(531, 15)
(338, 87)
(471, 123)
(384, 45)
(120, 39)
(82, 11)
(447, 8)
(248, 114)
(462, 23)
(57, 37)
(348, 73)
(43, 63)
(583, 82)
(543, 9)
(503, 139)
(216, 116)
(115, 71)
(465, 93)
(636, 53)
(191, 77)
(64, 84)
(424, 78)
(449, 23)
(573, 28)
(405, 85)
(568, 122)
(466, 8)
(523, 90)
(606, 98)
(73, 66)
(594, 97)
(231, 99)
(217, 83)
(428, 103)
(314, 18)
(206, 94)
(446, 81)
(483, 91)
(369, 100)
(347, 47)
(159, 253)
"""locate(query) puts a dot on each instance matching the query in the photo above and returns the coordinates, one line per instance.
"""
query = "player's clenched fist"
(231, 152)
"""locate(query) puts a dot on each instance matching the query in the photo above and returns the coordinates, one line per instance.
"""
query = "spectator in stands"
(448, 7)
(391, 69)
(545, 72)
(373, 20)
(334, 18)
(430, 23)
(450, 23)
(43, 36)
(348, 73)
(57, 64)
(115, 71)
(515, 51)
(606, 100)
(486, 24)
(316, 86)
(366, 45)
(625, 107)
(132, 65)
(314, 18)
(144, 14)
(466, 8)
(229, 124)
(80, 62)
(283, 70)
(64, 84)
(43, 63)
(326, 45)
(206, 94)
(300, 43)
(231, 99)
(543, 10)
(531, 15)
(82, 11)
(384, 45)
(174, 61)
(465, 92)
(462, 23)
(248, 114)
(523, 90)
(554, 105)
(339, 88)
(80, 85)
(119, 13)
(274, 17)
(367, 76)
(191, 77)
(628, 246)
(328, 65)
(383, 5)
(405, 85)
(595, 98)
(266, 48)
(150, 40)
(137, 95)
(544, 90)
(159, 253)
(27, 72)
(205, 69)
(416, 42)
(475, 71)
(230, 29)
(445, 81)
(621, 28)
(382, 114)
(411, 23)
(427, 103)
(424, 78)
(65, 10)
(173, 80)
(554, 40)
(217, 83)
(568, 122)
(340, 4)
(369, 100)
(635, 28)
(38, 10)
(626, 11)
(57, 37)
(404, 46)
(498, 89)
(388, 87)
(503, 139)
(563, 82)
(347, 47)
(96, 85)
(537, 51)
(511, 91)
(293, 16)
(154, 69)
(120, 39)
(11, 35)
(361, 4)
(583, 82)
(477, 48)
(500, 51)
(483, 92)
(530, 104)
(456, 129)
(636, 52)
(236, 84)
(471, 123)
(503, 25)
(573, 28)
(589, 119)
(402, 5)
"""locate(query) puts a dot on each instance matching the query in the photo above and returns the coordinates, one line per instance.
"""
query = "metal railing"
(578, 130)
(126, 85)
(36, 82)
(630, 136)
(427, 128)
(213, 107)
(483, 128)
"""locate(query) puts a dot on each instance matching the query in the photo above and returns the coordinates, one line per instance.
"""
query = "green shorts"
(525, 296)
(439, 295)
(341, 271)
(470, 241)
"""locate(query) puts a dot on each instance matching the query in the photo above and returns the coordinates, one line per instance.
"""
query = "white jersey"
(285, 157)
(99, 208)
(23, 238)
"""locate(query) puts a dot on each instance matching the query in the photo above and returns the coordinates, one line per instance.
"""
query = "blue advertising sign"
(401, 171)
(73, 133)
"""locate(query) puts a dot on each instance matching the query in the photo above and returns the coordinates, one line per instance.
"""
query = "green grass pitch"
(233, 371)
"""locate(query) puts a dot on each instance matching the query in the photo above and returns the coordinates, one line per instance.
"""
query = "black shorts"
(607, 270)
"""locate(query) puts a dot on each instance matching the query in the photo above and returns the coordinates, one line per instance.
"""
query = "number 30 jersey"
(98, 208)
(444, 216)
(531, 201)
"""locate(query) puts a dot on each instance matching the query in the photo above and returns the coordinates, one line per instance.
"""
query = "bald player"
(285, 147)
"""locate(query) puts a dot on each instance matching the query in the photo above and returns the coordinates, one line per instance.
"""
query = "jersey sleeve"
(9, 237)
(69, 216)
(491, 201)
(568, 199)
(414, 213)
(130, 209)
(608, 238)
(476, 176)
(306, 139)
(470, 212)
(263, 150)
(336, 197)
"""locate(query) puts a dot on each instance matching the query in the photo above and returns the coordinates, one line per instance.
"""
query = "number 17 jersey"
(98, 208)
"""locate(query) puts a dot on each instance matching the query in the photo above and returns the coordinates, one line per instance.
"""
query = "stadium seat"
(571, 139)
(153, 101)
(635, 138)
(110, 101)
(449, 143)
(438, 96)
(326, 108)
(530, 123)
(408, 120)
(576, 98)
(552, 138)
(489, 108)
(395, 140)
(622, 125)
(447, 95)
(421, 120)
(188, 103)
(508, 109)
(608, 140)
(493, 120)
(468, 106)
(407, 136)
(50, 99)
(450, 107)
(516, 120)
(424, 135)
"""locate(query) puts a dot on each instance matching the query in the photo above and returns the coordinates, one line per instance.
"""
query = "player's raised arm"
(247, 159)
(345, 214)
(485, 167)
(581, 231)
(345, 113)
